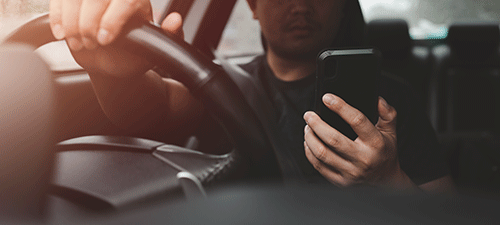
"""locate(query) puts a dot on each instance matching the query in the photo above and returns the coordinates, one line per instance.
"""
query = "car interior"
(74, 166)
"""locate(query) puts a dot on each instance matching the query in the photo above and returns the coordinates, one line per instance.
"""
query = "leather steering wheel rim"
(205, 80)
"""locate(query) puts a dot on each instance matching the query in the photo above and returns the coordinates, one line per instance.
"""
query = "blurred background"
(427, 18)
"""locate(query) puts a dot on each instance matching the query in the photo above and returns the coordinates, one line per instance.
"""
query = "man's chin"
(305, 49)
(297, 54)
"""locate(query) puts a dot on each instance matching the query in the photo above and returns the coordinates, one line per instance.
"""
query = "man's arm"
(147, 102)
(441, 185)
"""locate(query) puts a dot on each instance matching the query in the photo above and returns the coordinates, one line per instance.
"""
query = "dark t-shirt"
(419, 153)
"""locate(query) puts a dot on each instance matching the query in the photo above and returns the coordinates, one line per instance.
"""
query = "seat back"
(467, 76)
(465, 97)
(26, 132)
(401, 56)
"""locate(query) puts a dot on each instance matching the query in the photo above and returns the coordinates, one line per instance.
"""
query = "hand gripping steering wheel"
(253, 140)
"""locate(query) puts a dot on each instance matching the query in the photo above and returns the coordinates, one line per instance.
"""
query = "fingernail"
(307, 116)
(306, 128)
(74, 44)
(384, 103)
(173, 18)
(103, 37)
(328, 99)
(89, 44)
(58, 32)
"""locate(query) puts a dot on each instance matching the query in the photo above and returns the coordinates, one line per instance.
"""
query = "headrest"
(474, 39)
(390, 36)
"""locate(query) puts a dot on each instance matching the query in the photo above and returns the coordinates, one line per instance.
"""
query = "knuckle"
(358, 120)
(378, 143)
(317, 165)
(333, 141)
(343, 183)
(134, 4)
(353, 175)
(365, 165)
(322, 153)
(70, 29)
(356, 175)
(393, 114)
(87, 29)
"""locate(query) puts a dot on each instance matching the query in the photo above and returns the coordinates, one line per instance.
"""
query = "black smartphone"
(351, 74)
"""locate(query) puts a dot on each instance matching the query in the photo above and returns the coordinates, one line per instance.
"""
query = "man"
(294, 32)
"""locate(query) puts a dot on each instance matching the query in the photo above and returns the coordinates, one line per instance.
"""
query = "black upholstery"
(400, 55)
(390, 36)
(116, 172)
(474, 41)
(466, 101)
(466, 74)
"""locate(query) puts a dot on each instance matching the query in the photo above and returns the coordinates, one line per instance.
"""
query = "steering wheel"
(205, 80)
(251, 137)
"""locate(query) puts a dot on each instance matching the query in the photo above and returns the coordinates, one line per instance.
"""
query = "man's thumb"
(387, 116)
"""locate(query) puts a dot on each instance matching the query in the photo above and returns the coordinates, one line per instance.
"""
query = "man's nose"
(300, 6)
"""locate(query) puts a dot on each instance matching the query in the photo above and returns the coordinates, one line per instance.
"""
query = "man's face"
(298, 29)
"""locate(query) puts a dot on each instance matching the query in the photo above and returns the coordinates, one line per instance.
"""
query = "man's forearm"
(143, 102)
(130, 103)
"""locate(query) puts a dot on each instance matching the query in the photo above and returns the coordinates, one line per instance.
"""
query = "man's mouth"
(301, 30)
(300, 27)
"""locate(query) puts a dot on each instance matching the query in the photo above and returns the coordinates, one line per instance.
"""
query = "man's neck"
(290, 70)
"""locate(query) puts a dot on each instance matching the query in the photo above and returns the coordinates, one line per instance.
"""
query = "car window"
(241, 37)
(427, 19)
(14, 13)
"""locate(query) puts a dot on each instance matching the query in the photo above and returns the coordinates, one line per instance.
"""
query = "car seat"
(466, 101)
(400, 55)
(26, 133)
(466, 74)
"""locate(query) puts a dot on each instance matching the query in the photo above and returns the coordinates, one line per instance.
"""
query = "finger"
(387, 116)
(331, 175)
(91, 13)
(357, 120)
(324, 153)
(330, 136)
(55, 17)
(173, 24)
(70, 24)
(117, 14)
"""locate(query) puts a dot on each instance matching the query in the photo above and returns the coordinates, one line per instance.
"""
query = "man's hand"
(90, 25)
(132, 97)
(371, 158)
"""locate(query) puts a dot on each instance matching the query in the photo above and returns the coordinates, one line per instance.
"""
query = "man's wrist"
(399, 181)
